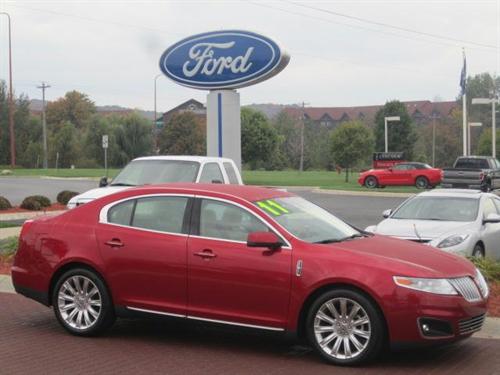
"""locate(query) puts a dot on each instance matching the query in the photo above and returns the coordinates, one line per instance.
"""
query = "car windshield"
(307, 221)
(438, 208)
(144, 172)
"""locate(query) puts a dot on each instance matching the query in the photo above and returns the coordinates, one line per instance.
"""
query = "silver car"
(464, 222)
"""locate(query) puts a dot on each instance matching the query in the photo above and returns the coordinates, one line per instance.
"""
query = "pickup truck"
(473, 172)
(165, 169)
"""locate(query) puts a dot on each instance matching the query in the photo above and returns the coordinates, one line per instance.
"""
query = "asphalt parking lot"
(31, 341)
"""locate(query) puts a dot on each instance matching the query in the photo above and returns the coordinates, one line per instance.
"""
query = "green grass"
(8, 246)
(489, 268)
(322, 179)
(4, 224)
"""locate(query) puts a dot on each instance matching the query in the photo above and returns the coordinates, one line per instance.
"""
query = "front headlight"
(436, 286)
(482, 284)
(453, 240)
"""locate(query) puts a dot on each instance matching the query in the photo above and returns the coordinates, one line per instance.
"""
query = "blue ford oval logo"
(223, 59)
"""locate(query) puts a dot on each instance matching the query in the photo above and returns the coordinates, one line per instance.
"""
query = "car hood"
(96, 193)
(407, 258)
(425, 229)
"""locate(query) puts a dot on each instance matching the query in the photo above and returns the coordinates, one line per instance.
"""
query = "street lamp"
(386, 120)
(491, 101)
(470, 125)
(11, 100)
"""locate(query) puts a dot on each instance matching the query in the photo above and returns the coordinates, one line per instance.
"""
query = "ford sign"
(223, 60)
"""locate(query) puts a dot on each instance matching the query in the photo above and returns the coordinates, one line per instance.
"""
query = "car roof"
(459, 193)
(246, 192)
(199, 159)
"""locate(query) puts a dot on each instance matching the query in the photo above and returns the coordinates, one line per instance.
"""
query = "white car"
(165, 169)
(464, 222)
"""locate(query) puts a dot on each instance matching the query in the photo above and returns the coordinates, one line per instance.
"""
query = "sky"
(343, 53)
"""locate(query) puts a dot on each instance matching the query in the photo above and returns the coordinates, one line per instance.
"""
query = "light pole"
(11, 100)
(491, 101)
(44, 86)
(302, 126)
(434, 117)
(470, 125)
(155, 130)
(386, 120)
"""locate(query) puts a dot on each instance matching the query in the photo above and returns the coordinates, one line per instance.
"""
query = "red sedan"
(246, 256)
(421, 175)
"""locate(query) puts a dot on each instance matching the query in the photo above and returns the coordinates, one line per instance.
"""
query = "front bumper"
(456, 318)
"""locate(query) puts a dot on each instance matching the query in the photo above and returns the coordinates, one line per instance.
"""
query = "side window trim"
(103, 214)
(195, 221)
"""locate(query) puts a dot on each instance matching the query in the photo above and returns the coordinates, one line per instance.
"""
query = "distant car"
(246, 256)
(473, 172)
(463, 222)
(421, 175)
(165, 169)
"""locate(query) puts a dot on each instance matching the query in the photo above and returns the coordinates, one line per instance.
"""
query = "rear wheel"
(371, 182)
(421, 182)
(82, 303)
(345, 327)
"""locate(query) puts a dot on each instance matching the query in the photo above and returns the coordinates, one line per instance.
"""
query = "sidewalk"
(9, 232)
(27, 215)
(6, 284)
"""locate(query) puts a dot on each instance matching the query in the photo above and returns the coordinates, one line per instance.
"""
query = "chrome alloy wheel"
(79, 302)
(342, 328)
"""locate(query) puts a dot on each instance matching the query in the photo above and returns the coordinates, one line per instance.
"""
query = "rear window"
(467, 163)
(231, 173)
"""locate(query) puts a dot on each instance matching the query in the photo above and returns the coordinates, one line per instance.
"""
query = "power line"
(377, 23)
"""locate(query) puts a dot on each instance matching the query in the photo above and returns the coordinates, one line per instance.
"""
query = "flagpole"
(464, 120)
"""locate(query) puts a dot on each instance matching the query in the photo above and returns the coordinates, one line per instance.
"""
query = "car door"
(491, 231)
(398, 174)
(228, 281)
(143, 243)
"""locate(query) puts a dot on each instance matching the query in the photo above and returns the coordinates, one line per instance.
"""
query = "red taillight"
(481, 176)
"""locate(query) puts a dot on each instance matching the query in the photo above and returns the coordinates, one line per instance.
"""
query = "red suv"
(246, 256)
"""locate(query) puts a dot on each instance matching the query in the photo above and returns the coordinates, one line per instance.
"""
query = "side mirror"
(387, 213)
(492, 218)
(103, 182)
(264, 239)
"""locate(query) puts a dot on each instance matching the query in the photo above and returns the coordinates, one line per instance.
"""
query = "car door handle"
(206, 254)
(115, 242)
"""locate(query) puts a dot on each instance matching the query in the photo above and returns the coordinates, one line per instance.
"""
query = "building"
(421, 111)
(191, 105)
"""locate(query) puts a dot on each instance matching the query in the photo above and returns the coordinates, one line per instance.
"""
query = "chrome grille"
(467, 288)
(467, 326)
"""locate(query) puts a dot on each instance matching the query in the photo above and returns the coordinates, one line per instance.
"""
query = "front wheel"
(421, 182)
(82, 303)
(371, 182)
(345, 327)
(478, 251)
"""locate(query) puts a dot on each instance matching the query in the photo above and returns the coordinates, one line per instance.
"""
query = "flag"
(463, 75)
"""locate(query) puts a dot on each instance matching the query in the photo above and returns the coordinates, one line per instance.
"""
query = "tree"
(484, 146)
(401, 134)
(259, 140)
(63, 143)
(74, 107)
(133, 137)
(350, 144)
(288, 130)
(184, 134)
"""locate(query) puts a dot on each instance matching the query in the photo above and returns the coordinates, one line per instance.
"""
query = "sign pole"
(105, 142)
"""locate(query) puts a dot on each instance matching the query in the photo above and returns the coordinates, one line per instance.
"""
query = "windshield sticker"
(272, 207)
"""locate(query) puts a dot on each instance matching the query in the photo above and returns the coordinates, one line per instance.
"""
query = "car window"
(438, 209)
(472, 163)
(121, 213)
(211, 173)
(401, 167)
(231, 173)
(226, 221)
(497, 204)
(489, 208)
(164, 214)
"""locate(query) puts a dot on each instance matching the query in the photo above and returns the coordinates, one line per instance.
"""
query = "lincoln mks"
(246, 256)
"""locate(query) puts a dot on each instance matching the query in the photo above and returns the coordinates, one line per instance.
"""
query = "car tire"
(421, 182)
(82, 303)
(478, 251)
(334, 335)
(371, 182)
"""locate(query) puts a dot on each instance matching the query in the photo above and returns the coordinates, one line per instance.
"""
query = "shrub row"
(38, 202)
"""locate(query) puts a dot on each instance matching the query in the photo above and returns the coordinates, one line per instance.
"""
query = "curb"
(362, 193)
(28, 215)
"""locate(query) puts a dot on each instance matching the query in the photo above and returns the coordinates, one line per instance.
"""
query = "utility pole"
(303, 124)
(434, 117)
(11, 101)
(44, 125)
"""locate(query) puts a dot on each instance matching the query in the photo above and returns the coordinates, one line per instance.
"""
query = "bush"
(44, 201)
(30, 203)
(488, 267)
(64, 196)
(8, 246)
(4, 203)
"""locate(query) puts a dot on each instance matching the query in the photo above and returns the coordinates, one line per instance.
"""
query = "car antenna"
(416, 232)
